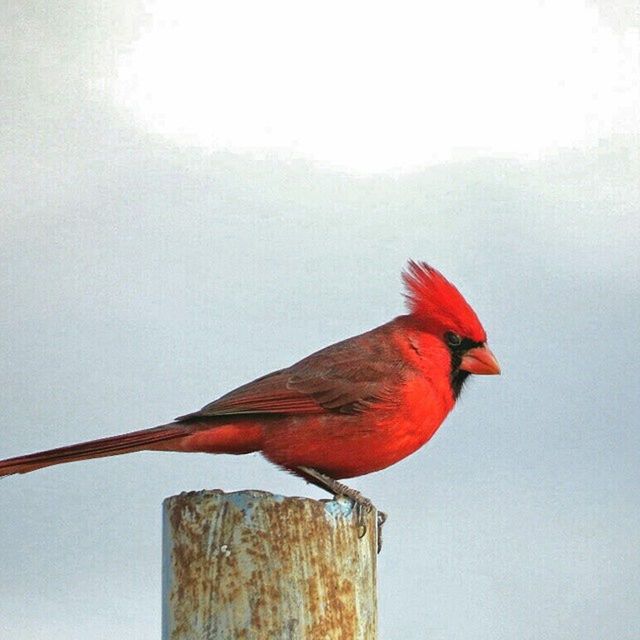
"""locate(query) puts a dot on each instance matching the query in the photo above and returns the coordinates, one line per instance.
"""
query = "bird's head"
(440, 309)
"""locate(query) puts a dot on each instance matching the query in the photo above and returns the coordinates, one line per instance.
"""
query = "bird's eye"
(453, 339)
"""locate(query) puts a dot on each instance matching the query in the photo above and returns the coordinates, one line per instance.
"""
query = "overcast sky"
(192, 197)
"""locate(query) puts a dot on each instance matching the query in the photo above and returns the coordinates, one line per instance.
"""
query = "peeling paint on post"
(251, 565)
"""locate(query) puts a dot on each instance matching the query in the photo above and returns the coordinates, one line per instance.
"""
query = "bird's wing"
(346, 377)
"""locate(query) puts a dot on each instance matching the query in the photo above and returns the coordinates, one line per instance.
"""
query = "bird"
(352, 408)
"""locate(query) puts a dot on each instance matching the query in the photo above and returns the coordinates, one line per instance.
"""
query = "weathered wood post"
(258, 566)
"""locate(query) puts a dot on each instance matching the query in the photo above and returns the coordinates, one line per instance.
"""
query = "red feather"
(435, 301)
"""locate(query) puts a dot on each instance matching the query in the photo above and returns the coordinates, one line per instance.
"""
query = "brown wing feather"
(268, 394)
(346, 377)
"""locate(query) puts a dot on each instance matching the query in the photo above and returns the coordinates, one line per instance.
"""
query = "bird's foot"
(362, 504)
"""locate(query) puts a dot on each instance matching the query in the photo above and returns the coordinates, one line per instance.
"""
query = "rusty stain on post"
(251, 565)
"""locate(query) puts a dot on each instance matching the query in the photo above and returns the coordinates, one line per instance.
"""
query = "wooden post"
(258, 566)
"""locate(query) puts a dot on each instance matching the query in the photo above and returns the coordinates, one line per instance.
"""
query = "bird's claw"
(382, 518)
(362, 505)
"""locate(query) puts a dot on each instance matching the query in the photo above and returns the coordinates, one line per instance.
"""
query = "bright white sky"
(371, 87)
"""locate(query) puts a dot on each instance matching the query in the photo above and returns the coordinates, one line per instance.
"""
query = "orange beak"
(480, 360)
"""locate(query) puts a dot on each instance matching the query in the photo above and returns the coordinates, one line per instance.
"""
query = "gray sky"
(143, 274)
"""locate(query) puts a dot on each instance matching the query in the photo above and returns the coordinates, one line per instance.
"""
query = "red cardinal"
(352, 408)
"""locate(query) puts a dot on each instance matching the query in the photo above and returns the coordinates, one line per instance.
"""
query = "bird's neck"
(430, 356)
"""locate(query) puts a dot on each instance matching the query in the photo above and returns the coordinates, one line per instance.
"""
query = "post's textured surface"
(255, 566)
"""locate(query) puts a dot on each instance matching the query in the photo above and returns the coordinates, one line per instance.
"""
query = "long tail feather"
(114, 445)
